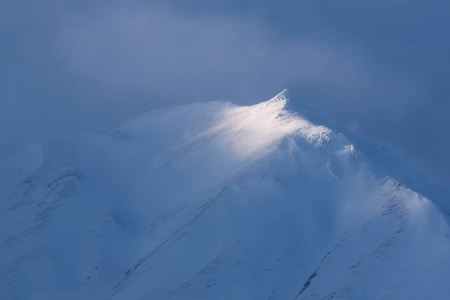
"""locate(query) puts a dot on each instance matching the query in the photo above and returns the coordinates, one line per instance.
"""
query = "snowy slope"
(217, 201)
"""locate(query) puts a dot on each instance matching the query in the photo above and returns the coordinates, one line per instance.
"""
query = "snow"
(218, 201)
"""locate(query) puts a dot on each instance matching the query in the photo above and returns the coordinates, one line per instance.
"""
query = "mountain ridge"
(215, 200)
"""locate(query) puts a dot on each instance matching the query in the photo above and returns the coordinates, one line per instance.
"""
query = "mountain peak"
(282, 96)
(204, 197)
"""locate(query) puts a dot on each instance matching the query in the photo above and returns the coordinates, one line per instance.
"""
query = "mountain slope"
(215, 201)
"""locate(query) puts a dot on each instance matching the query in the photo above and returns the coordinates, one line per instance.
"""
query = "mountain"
(219, 201)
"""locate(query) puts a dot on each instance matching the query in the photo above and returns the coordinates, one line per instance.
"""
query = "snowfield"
(219, 201)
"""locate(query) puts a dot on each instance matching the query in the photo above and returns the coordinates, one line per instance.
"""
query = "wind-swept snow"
(215, 201)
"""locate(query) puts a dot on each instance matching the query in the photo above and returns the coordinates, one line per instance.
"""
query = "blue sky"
(376, 68)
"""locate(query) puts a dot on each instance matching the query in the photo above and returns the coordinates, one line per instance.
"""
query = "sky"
(378, 69)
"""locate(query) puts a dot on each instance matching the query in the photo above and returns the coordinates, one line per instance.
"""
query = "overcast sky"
(380, 69)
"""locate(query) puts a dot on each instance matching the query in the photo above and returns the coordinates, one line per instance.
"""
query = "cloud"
(155, 49)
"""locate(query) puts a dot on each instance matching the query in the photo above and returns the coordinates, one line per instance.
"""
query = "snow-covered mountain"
(219, 201)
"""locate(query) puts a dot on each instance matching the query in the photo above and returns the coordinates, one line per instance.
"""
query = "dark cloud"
(378, 69)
